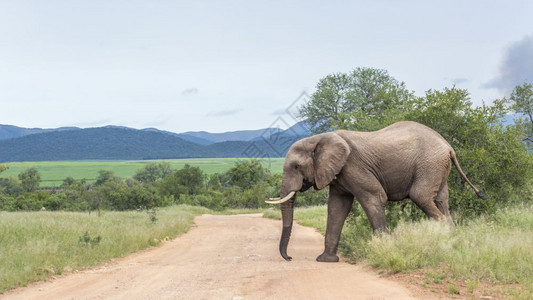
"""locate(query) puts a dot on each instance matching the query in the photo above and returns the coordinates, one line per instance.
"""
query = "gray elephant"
(403, 160)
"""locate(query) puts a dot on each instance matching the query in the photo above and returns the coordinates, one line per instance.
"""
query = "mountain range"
(123, 143)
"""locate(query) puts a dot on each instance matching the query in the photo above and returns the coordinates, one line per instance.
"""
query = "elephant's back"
(415, 132)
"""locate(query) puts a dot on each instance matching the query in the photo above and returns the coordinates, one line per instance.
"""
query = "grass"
(498, 249)
(53, 173)
(36, 245)
(492, 250)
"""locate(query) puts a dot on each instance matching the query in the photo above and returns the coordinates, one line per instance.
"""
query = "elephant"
(404, 160)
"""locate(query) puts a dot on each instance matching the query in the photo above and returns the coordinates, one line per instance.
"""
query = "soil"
(224, 257)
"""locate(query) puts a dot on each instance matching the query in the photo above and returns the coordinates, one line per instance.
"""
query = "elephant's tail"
(479, 193)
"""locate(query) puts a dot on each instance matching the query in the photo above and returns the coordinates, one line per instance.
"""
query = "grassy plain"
(52, 173)
(36, 245)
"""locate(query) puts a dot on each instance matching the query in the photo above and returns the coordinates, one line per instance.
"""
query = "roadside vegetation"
(156, 184)
(37, 245)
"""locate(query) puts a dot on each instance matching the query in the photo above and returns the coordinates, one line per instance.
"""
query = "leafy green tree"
(522, 103)
(186, 181)
(192, 178)
(30, 179)
(11, 186)
(118, 194)
(75, 194)
(112, 194)
(153, 172)
(103, 177)
(138, 195)
(68, 181)
(213, 183)
(170, 188)
(363, 99)
(246, 173)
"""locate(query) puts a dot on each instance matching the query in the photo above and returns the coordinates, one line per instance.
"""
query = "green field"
(52, 173)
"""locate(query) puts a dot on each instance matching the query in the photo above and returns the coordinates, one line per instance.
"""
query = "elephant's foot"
(324, 257)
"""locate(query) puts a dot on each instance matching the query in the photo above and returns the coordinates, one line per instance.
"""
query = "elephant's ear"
(330, 155)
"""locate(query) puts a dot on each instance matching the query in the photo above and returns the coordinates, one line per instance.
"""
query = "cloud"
(224, 113)
(191, 91)
(516, 68)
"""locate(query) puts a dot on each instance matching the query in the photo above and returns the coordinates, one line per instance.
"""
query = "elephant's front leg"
(339, 205)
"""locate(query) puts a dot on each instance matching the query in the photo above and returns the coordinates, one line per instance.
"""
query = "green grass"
(497, 249)
(36, 245)
(53, 173)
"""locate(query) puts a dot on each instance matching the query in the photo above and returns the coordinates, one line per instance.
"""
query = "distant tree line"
(246, 185)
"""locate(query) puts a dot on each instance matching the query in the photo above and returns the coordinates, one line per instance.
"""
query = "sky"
(234, 65)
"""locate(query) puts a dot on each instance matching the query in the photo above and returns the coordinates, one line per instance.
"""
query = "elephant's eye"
(296, 166)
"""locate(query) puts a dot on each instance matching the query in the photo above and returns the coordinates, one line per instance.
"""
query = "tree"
(522, 103)
(247, 173)
(188, 180)
(192, 178)
(214, 183)
(68, 181)
(30, 179)
(363, 99)
(103, 177)
(153, 172)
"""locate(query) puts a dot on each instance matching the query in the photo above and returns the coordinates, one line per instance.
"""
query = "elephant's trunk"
(287, 209)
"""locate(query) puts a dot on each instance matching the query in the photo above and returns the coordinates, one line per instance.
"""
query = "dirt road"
(223, 257)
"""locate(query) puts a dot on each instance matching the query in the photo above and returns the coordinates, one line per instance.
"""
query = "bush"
(153, 172)
(8, 202)
(30, 179)
(11, 186)
(246, 173)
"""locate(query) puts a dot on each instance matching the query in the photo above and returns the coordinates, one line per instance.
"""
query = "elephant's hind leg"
(374, 206)
(425, 194)
(442, 202)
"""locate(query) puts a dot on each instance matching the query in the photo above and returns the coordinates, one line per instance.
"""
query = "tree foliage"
(30, 179)
(362, 99)
(522, 103)
(153, 172)
(244, 174)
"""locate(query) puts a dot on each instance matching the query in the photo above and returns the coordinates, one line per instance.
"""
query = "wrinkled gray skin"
(404, 160)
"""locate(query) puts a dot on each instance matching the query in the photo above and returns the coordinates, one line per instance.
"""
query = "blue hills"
(123, 143)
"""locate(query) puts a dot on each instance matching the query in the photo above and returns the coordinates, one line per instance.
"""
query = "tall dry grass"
(36, 245)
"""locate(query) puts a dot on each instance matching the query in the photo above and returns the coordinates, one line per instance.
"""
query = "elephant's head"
(313, 161)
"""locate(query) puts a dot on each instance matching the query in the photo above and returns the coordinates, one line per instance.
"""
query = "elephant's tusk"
(278, 200)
